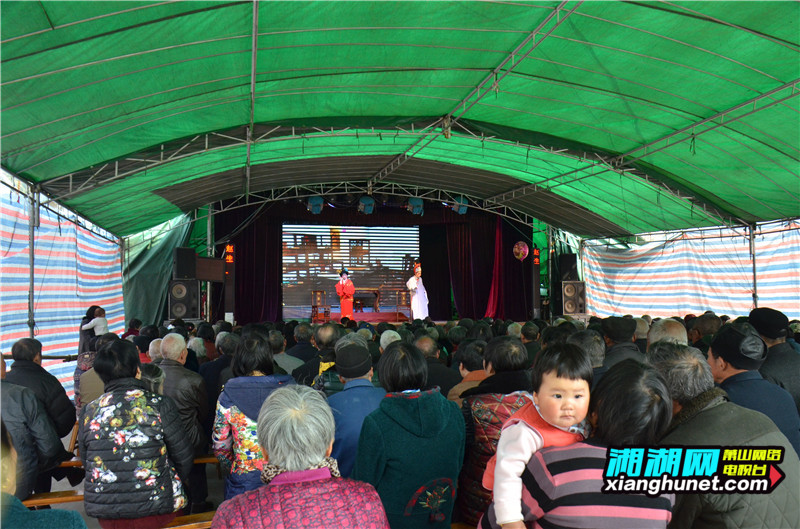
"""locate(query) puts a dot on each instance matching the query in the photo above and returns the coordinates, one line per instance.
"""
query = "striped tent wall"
(73, 269)
(695, 272)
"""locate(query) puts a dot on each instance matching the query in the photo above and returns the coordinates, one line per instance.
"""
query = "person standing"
(419, 297)
(345, 289)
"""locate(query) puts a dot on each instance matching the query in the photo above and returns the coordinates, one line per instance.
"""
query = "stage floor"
(389, 316)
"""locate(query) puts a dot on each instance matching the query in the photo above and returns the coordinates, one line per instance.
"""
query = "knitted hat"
(619, 329)
(740, 345)
(353, 361)
(769, 322)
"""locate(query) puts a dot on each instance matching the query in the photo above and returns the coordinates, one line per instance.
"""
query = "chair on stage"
(403, 302)
(320, 310)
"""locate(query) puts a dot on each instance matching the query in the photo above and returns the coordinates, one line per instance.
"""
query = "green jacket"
(710, 420)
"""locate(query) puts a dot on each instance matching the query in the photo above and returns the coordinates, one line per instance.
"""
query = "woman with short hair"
(302, 488)
(411, 448)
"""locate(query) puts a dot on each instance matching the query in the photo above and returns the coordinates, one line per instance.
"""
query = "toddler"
(556, 416)
(99, 323)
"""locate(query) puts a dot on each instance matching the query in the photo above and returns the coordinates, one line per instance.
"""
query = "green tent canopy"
(604, 119)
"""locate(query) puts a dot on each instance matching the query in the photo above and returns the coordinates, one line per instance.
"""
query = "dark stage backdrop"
(468, 262)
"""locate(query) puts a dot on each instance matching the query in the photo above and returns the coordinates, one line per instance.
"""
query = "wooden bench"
(192, 521)
(52, 498)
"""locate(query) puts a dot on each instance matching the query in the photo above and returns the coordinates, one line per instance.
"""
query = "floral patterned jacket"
(134, 451)
(234, 434)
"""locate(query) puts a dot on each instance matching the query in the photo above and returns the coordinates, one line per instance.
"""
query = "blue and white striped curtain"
(695, 272)
(73, 269)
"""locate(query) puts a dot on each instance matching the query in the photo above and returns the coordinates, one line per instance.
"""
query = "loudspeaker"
(568, 266)
(184, 263)
(574, 297)
(184, 299)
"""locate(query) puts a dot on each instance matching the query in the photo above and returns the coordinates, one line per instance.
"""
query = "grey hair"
(388, 337)
(642, 328)
(515, 330)
(154, 352)
(295, 427)
(667, 330)
(228, 343)
(198, 346)
(365, 333)
(220, 336)
(592, 343)
(172, 345)
(685, 370)
(347, 339)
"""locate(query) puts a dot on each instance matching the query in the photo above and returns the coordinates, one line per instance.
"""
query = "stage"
(369, 316)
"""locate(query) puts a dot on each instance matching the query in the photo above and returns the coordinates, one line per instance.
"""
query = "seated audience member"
(302, 488)
(234, 433)
(455, 336)
(640, 336)
(226, 344)
(373, 346)
(618, 334)
(782, 366)
(13, 514)
(514, 330)
(325, 337)
(735, 355)
(591, 342)
(142, 344)
(702, 416)
(188, 390)
(154, 351)
(151, 331)
(91, 386)
(27, 371)
(39, 449)
(438, 373)
(412, 447)
(277, 344)
(702, 330)
(206, 333)
(667, 330)
(123, 439)
(485, 408)
(557, 334)
(358, 398)
(133, 328)
(555, 416)
(469, 362)
(304, 349)
(197, 345)
(387, 338)
(528, 335)
(563, 485)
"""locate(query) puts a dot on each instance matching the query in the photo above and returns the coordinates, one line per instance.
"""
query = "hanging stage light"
(315, 204)
(366, 205)
(414, 205)
(460, 206)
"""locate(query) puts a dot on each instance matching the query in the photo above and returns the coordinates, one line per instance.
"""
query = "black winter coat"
(48, 390)
(133, 449)
(188, 390)
(32, 433)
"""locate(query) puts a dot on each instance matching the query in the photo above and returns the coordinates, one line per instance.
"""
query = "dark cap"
(740, 345)
(619, 329)
(353, 361)
(769, 322)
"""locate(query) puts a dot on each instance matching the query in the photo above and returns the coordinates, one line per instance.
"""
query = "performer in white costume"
(419, 297)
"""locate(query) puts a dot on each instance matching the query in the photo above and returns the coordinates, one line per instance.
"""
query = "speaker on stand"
(184, 299)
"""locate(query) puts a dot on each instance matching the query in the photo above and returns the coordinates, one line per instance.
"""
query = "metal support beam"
(480, 91)
(33, 223)
(753, 257)
(253, 61)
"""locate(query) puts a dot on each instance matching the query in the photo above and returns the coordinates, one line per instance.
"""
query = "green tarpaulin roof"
(600, 118)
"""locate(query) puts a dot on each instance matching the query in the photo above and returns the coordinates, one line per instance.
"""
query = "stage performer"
(419, 297)
(345, 289)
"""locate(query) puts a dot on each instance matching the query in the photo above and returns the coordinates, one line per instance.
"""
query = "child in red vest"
(556, 416)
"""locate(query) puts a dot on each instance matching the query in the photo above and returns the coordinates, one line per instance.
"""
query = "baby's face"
(562, 402)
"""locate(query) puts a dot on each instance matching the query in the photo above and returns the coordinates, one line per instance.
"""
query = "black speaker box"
(568, 266)
(184, 263)
(574, 297)
(184, 299)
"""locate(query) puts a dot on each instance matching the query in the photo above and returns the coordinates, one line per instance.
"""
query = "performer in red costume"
(345, 289)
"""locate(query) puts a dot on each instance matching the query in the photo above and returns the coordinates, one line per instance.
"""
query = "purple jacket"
(308, 499)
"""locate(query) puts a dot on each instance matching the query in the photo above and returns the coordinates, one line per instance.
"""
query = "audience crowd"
(485, 423)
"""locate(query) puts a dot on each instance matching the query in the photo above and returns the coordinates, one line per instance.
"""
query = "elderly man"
(735, 355)
(702, 330)
(188, 390)
(702, 416)
(438, 373)
(304, 348)
(782, 366)
(667, 330)
(618, 334)
(325, 337)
